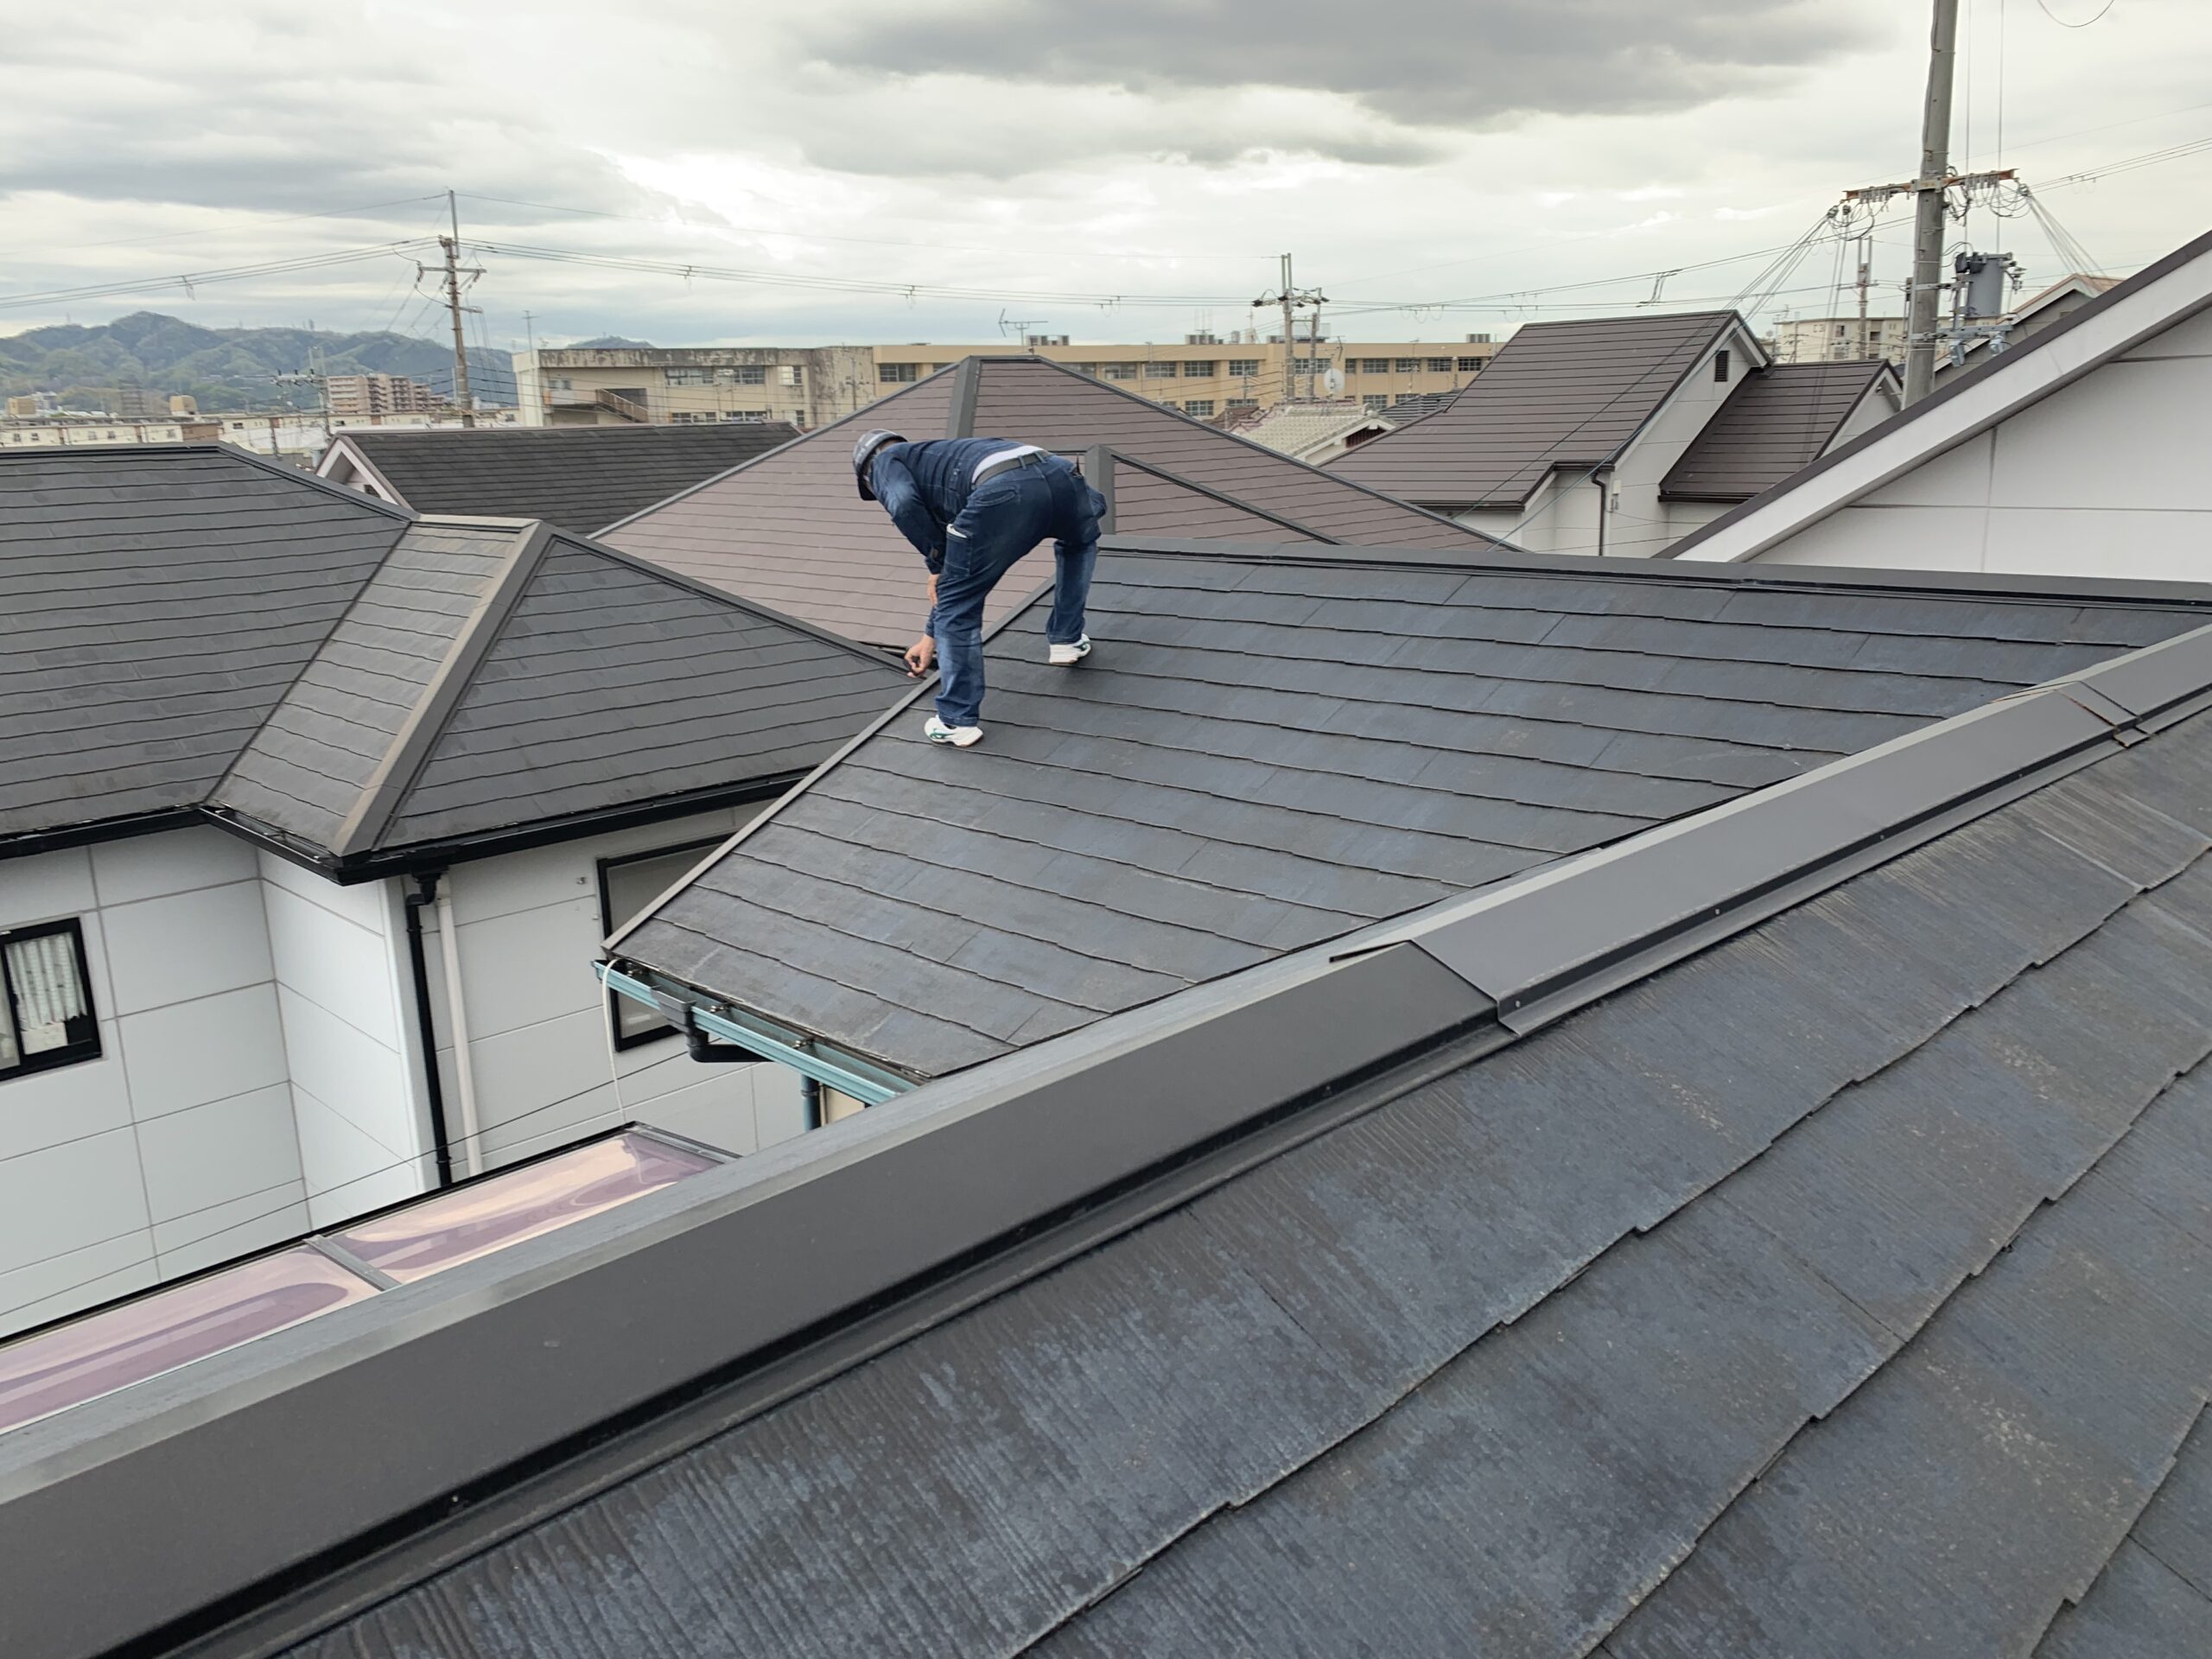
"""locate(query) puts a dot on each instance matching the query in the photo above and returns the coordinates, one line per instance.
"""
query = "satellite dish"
(1333, 381)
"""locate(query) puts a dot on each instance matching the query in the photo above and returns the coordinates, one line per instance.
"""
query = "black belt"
(998, 464)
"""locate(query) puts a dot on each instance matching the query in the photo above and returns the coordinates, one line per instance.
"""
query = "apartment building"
(1838, 340)
(1208, 375)
(380, 394)
(807, 386)
(1205, 375)
(57, 433)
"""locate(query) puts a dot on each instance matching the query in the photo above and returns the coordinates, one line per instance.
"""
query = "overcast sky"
(1406, 151)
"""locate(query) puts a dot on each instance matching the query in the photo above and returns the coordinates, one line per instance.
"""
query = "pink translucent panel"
(489, 1215)
(108, 1350)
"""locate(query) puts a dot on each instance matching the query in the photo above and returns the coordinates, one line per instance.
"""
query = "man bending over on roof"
(972, 508)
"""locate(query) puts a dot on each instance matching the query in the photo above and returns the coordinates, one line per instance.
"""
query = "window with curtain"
(46, 1017)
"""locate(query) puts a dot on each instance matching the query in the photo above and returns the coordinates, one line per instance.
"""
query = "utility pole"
(1931, 195)
(1866, 277)
(1293, 299)
(452, 246)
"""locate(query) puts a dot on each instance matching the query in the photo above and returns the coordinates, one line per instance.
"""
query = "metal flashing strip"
(1572, 933)
(868, 1084)
(225, 1484)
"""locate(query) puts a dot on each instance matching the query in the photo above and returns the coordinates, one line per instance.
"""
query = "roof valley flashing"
(280, 1449)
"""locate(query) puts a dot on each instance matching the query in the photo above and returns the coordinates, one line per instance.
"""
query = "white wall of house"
(175, 1148)
(2105, 475)
(527, 925)
(261, 1071)
(1638, 526)
(359, 1101)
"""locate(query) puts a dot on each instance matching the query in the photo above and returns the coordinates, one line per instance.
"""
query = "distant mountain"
(610, 342)
(225, 368)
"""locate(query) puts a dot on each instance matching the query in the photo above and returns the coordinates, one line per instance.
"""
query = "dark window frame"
(624, 1040)
(82, 1046)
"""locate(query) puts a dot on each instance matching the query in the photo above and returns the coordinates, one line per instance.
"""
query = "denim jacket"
(924, 486)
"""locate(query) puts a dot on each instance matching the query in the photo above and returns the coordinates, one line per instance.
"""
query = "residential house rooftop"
(789, 531)
(579, 478)
(1557, 394)
(195, 633)
(1273, 747)
(1788, 1228)
(1775, 422)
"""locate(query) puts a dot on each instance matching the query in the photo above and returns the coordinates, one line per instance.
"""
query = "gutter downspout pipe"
(418, 963)
(472, 1149)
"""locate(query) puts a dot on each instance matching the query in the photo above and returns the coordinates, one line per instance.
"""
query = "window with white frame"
(744, 374)
(626, 886)
(1471, 364)
(1408, 364)
(689, 377)
(1198, 406)
(791, 374)
(1119, 371)
(896, 373)
(1159, 370)
(1244, 367)
(46, 1017)
(1372, 365)
(1200, 369)
(1438, 364)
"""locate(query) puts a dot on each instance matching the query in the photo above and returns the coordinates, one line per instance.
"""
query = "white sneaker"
(959, 736)
(1069, 656)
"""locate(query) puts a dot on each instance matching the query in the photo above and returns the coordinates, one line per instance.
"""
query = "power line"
(190, 280)
(174, 235)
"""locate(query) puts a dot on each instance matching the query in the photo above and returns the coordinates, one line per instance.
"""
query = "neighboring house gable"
(2076, 451)
(1270, 748)
(582, 479)
(1557, 394)
(789, 531)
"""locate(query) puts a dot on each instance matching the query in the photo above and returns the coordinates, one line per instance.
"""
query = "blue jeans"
(1008, 514)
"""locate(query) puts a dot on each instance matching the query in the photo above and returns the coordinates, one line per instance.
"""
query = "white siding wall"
(358, 1097)
(1642, 525)
(528, 930)
(2104, 476)
(175, 1148)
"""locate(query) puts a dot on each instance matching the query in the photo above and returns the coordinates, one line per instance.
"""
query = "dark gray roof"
(1267, 750)
(581, 477)
(155, 604)
(1415, 404)
(1777, 420)
(357, 681)
(789, 529)
(1845, 1289)
(1557, 394)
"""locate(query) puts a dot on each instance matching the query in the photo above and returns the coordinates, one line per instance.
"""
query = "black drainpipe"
(426, 895)
(810, 1102)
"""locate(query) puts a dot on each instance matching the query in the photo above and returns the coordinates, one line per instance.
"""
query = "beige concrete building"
(1838, 340)
(380, 394)
(810, 386)
(69, 434)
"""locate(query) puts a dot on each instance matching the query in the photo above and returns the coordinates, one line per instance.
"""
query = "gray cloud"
(1415, 63)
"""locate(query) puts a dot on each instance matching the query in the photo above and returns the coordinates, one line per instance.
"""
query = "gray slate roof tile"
(581, 477)
(197, 627)
(1325, 741)
(1844, 1289)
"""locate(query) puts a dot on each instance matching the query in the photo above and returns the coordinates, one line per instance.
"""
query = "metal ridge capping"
(1575, 930)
